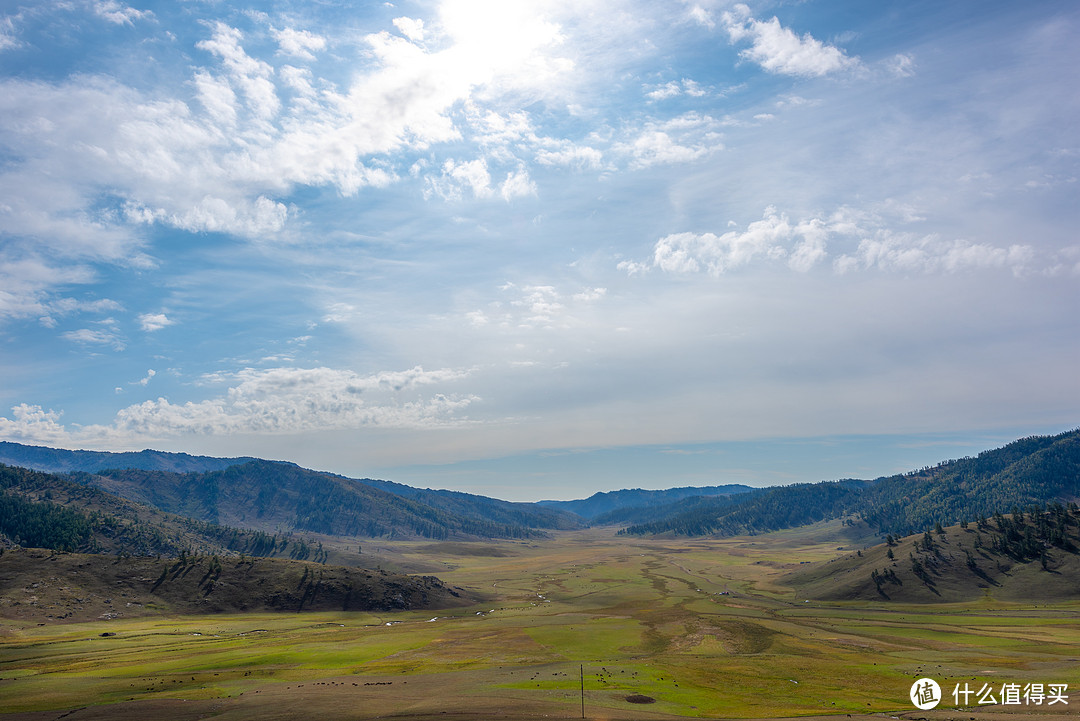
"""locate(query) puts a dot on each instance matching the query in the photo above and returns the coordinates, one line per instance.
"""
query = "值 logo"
(925, 693)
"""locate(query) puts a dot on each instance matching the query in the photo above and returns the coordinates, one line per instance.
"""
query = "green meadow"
(685, 628)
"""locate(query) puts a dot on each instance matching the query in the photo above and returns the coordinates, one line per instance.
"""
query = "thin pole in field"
(582, 690)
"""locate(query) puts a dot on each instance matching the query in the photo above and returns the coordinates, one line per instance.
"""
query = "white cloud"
(901, 65)
(118, 13)
(803, 245)
(456, 176)
(534, 306)
(779, 50)
(590, 294)
(517, 185)
(298, 43)
(665, 91)
(675, 88)
(411, 28)
(8, 37)
(145, 380)
(218, 97)
(682, 139)
(33, 424)
(272, 401)
(339, 313)
(151, 322)
(299, 79)
(571, 155)
(702, 16)
(222, 164)
(106, 335)
(633, 267)
(251, 75)
(906, 252)
(261, 217)
(655, 147)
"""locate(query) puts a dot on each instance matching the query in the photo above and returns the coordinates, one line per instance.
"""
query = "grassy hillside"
(37, 584)
(1035, 470)
(1027, 556)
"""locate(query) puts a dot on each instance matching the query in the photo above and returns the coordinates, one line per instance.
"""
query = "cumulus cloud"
(221, 163)
(683, 139)
(702, 16)
(517, 185)
(803, 245)
(906, 252)
(298, 43)
(411, 28)
(251, 75)
(779, 50)
(715, 254)
(570, 155)
(272, 401)
(457, 176)
(529, 306)
(118, 13)
(151, 322)
(33, 424)
(676, 88)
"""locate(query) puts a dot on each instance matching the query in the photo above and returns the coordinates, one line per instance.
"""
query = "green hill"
(272, 496)
(1024, 556)
(1035, 470)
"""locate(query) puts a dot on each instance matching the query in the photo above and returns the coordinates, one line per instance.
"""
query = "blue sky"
(539, 249)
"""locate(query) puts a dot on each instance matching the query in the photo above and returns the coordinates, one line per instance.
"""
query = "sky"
(542, 248)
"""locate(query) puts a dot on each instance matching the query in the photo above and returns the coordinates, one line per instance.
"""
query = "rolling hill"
(1035, 470)
(1026, 556)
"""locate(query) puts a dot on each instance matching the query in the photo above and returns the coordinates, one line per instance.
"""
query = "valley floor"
(660, 629)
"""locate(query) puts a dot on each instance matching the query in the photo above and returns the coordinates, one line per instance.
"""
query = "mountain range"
(173, 500)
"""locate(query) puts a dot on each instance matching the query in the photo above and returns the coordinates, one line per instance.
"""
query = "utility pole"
(582, 690)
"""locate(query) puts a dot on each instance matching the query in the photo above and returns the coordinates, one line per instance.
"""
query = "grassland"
(704, 628)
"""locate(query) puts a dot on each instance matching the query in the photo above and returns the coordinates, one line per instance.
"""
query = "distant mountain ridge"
(274, 496)
(1036, 470)
(58, 460)
(608, 501)
(271, 495)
